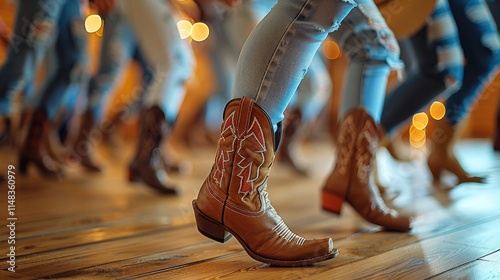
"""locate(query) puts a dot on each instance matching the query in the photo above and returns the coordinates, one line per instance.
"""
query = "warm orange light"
(420, 120)
(185, 28)
(93, 23)
(200, 31)
(417, 144)
(331, 50)
(416, 135)
(437, 110)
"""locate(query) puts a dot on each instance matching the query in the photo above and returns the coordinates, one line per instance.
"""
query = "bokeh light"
(331, 50)
(437, 110)
(200, 31)
(185, 28)
(93, 23)
(416, 135)
(420, 120)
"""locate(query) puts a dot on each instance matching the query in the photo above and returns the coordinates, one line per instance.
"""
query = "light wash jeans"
(277, 54)
(118, 47)
(170, 59)
(314, 90)
(41, 25)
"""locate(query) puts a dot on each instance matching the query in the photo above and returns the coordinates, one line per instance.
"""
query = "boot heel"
(23, 165)
(210, 228)
(331, 203)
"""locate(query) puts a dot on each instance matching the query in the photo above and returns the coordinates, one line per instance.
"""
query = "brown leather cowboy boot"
(85, 143)
(34, 148)
(442, 157)
(147, 165)
(233, 199)
(357, 144)
(287, 154)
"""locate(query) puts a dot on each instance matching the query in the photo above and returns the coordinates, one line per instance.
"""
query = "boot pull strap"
(245, 112)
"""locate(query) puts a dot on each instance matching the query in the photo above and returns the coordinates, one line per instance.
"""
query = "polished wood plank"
(101, 227)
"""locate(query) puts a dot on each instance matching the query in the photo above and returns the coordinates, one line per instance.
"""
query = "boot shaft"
(153, 129)
(244, 156)
(37, 130)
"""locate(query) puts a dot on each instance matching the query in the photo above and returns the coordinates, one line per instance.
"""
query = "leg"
(439, 70)
(118, 44)
(373, 51)
(171, 61)
(233, 199)
(481, 44)
(34, 31)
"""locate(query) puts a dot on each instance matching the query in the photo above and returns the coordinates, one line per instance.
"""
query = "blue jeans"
(169, 58)
(436, 58)
(276, 55)
(119, 46)
(373, 52)
(363, 36)
(314, 90)
(41, 25)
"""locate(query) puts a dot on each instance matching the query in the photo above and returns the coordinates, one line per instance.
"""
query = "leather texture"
(442, 156)
(148, 163)
(234, 196)
(350, 180)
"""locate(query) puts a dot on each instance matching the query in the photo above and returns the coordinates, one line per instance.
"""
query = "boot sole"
(220, 233)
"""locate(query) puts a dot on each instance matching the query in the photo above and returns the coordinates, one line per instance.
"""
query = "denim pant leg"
(314, 90)
(169, 57)
(34, 31)
(118, 46)
(437, 69)
(71, 69)
(278, 52)
(373, 51)
(481, 44)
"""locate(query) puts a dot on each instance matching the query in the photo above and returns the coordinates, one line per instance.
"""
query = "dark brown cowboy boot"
(34, 149)
(233, 199)
(357, 144)
(148, 164)
(85, 143)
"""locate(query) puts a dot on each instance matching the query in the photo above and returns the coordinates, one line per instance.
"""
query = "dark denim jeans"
(436, 67)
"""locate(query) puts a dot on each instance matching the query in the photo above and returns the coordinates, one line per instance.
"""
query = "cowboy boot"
(350, 180)
(147, 165)
(442, 156)
(85, 143)
(287, 154)
(233, 199)
(34, 149)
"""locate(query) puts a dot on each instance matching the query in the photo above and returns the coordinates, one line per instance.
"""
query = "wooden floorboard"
(89, 226)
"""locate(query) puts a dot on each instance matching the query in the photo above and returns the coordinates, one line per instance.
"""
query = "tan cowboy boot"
(233, 199)
(358, 140)
(442, 157)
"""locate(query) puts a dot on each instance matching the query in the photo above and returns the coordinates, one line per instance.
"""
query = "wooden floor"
(101, 227)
